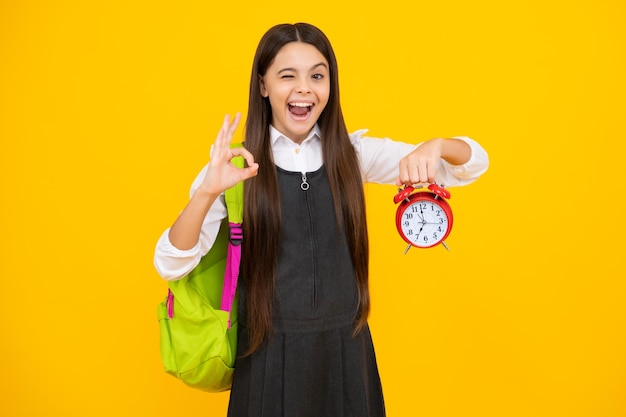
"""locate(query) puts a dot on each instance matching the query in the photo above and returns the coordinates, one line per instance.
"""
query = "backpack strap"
(234, 205)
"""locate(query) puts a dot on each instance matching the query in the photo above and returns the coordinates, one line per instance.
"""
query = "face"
(298, 86)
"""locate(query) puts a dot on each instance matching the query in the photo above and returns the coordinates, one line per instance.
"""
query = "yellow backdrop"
(107, 111)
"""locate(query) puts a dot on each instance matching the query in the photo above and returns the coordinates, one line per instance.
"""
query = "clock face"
(424, 223)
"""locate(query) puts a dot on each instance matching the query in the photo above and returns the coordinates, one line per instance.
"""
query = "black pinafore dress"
(313, 365)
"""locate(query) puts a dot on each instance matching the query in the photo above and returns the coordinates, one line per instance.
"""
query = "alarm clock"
(423, 218)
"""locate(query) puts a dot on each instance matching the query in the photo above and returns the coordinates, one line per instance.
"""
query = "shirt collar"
(275, 135)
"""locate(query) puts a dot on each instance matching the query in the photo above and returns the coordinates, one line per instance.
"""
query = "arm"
(381, 159)
(220, 175)
(181, 246)
(422, 165)
(173, 263)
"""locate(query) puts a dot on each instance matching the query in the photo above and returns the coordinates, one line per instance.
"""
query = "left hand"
(421, 165)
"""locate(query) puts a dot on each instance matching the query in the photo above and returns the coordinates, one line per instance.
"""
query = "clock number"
(409, 215)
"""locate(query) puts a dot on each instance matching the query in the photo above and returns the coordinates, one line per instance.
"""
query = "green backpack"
(198, 318)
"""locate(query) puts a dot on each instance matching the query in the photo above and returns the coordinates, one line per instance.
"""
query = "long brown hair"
(262, 200)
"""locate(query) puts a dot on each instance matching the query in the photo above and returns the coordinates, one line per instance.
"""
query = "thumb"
(250, 171)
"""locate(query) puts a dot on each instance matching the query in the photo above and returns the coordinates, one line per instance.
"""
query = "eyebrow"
(321, 64)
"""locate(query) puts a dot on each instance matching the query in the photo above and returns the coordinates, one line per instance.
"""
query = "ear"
(262, 88)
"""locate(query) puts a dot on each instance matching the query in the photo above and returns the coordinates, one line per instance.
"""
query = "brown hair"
(262, 200)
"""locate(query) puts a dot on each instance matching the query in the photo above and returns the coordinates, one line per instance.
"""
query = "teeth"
(301, 104)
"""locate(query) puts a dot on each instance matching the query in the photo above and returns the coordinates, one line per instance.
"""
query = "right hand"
(221, 174)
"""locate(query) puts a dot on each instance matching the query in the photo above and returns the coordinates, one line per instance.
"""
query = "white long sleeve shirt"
(379, 159)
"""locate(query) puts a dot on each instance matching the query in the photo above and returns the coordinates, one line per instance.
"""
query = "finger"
(233, 126)
(241, 151)
(221, 142)
(433, 168)
(418, 172)
(242, 174)
(251, 171)
(414, 173)
(230, 128)
(225, 136)
(403, 174)
(424, 172)
(432, 171)
(226, 122)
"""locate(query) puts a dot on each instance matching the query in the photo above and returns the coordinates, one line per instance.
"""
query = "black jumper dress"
(312, 365)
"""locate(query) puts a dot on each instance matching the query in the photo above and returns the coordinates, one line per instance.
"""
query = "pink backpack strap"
(169, 303)
(233, 197)
(233, 261)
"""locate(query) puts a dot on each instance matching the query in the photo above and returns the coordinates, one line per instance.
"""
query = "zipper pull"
(305, 185)
(170, 304)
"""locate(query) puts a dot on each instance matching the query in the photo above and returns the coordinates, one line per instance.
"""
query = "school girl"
(305, 348)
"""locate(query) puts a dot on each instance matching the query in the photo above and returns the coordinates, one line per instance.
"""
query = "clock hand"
(418, 233)
(423, 220)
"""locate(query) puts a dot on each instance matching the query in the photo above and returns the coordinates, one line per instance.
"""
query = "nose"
(303, 87)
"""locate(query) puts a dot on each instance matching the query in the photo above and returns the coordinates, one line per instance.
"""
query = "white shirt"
(379, 159)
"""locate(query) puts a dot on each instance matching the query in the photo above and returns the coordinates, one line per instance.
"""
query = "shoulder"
(357, 135)
(356, 138)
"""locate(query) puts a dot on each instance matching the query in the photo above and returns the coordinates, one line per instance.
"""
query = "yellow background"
(107, 111)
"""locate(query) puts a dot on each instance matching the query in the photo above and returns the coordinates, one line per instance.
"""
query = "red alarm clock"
(423, 218)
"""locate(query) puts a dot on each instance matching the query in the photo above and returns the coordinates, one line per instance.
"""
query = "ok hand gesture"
(221, 173)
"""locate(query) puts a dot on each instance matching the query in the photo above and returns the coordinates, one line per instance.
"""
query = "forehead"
(299, 56)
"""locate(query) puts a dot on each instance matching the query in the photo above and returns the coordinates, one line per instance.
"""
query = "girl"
(305, 348)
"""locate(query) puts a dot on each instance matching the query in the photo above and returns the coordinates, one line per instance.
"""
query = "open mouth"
(299, 109)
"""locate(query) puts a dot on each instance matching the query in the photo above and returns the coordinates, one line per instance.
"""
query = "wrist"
(206, 195)
(455, 151)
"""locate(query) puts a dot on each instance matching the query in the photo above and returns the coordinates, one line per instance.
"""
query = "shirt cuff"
(476, 165)
(171, 262)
